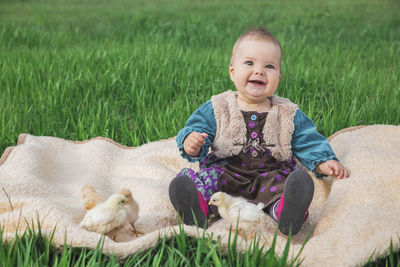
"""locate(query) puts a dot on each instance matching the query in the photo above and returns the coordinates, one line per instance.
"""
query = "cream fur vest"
(231, 128)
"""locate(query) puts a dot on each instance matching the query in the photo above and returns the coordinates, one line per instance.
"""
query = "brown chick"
(90, 197)
(132, 207)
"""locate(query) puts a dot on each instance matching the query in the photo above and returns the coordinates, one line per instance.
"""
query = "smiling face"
(255, 69)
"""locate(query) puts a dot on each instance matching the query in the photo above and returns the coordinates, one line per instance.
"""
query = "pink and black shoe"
(188, 201)
(296, 198)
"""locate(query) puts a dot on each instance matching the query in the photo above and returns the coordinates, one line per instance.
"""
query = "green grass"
(32, 248)
(135, 70)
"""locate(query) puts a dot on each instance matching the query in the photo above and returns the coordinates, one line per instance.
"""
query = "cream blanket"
(353, 218)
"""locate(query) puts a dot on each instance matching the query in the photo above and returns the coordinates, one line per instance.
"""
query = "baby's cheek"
(273, 72)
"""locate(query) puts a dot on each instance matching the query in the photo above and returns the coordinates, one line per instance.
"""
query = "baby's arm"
(198, 134)
(314, 150)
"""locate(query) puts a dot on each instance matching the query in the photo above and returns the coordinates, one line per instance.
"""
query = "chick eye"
(122, 201)
(269, 66)
(248, 62)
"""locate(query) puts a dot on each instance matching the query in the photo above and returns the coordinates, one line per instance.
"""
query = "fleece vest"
(231, 128)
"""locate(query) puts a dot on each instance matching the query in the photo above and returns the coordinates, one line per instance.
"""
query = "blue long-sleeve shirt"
(308, 145)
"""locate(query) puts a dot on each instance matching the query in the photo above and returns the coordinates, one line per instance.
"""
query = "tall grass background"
(134, 70)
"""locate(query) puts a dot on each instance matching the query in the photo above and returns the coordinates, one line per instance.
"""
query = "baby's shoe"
(188, 201)
(295, 200)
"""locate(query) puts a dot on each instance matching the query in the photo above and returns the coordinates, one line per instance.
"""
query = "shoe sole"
(183, 195)
(298, 194)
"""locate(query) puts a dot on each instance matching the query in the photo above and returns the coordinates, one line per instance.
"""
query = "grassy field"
(134, 70)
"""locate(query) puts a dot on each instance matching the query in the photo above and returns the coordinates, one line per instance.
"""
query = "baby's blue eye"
(248, 62)
(270, 67)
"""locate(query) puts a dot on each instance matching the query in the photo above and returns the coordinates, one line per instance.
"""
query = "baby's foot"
(186, 200)
(297, 196)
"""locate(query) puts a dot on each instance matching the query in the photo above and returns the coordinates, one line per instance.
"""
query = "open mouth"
(256, 82)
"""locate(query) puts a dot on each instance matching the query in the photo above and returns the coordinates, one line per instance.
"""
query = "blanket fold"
(42, 176)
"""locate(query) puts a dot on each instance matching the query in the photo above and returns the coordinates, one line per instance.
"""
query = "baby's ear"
(231, 72)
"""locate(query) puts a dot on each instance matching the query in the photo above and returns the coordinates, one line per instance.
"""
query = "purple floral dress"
(253, 174)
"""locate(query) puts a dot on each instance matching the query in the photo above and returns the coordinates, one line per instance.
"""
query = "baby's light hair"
(257, 33)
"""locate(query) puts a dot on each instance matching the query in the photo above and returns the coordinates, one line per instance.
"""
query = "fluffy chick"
(237, 209)
(90, 197)
(132, 208)
(106, 216)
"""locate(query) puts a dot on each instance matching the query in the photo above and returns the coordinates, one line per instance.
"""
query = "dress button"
(253, 117)
(254, 153)
(252, 124)
(253, 135)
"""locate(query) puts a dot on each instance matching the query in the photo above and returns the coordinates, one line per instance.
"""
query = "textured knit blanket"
(349, 219)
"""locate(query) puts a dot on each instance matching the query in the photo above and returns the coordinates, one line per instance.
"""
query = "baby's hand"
(333, 168)
(193, 142)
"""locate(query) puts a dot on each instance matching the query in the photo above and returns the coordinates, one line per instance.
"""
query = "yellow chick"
(106, 216)
(237, 209)
(90, 197)
(132, 208)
